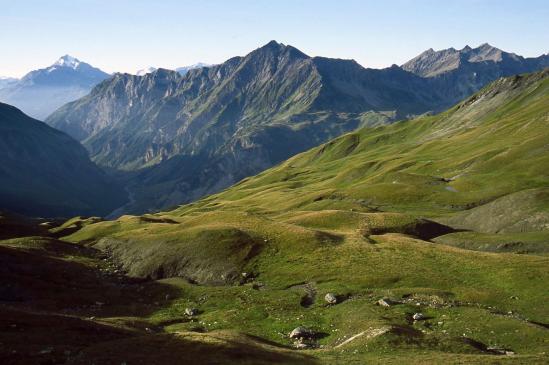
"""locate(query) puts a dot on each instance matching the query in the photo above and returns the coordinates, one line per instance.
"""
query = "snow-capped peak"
(67, 61)
(185, 69)
(145, 71)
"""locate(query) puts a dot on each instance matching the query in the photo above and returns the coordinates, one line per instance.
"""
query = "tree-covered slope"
(44, 172)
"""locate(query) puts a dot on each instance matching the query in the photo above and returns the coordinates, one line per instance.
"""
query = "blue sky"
(126, 35)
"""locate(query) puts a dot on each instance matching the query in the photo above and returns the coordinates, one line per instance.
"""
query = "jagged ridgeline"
(178, 138)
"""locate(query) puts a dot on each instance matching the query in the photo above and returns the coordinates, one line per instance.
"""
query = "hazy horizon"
(176, 34)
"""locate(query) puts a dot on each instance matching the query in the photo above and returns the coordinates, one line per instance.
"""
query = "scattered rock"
(301, 333)
(302, 345)
(330, 298)
(191, 312)
(418, 316)
(167, 297)
(386, 302)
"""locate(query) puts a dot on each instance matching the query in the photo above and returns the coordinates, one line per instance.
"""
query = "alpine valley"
(283, 209)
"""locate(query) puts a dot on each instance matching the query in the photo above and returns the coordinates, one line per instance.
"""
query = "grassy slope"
(64, 303)
(333, 219)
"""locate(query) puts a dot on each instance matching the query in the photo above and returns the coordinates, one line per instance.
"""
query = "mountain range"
(44, 172)
(434, 63)
(177, 138)
(467, 70)
(374, 218)
(42, 91)
(423, 241)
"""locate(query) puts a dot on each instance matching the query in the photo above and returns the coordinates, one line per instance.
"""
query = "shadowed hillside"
(44, 172)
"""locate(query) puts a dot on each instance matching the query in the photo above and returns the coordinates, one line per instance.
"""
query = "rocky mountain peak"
(277, 49)
(485, 52)
(432, 63)
(67, 61)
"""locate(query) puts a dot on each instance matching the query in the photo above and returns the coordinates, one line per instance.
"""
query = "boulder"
(330, 298)
(386, 302)
(302, 345)
(191, 312)
(301, 333)
(418, 316)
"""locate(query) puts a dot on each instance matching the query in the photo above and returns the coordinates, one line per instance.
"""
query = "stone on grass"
(330, 298)
(191, 311)
(300, 345)
(301, 332)
(386, 302)
(418, 316)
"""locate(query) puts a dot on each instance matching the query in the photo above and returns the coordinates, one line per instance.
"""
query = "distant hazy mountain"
(433, 63)
(185, 136)
(183, 70)
(44, 172)
(42, 91)
(7, 81)
(145, 71)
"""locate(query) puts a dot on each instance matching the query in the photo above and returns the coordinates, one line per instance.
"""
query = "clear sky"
(127, 35)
